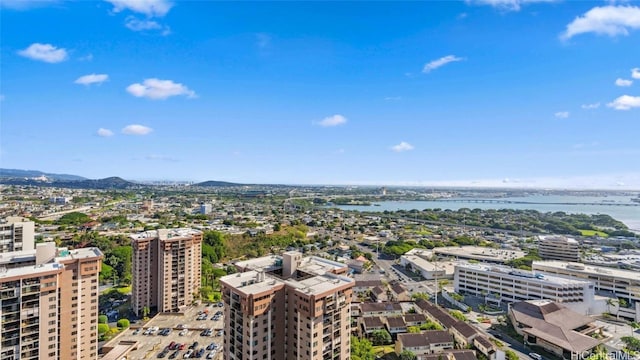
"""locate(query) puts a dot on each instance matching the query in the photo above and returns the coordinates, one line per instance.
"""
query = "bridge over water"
(498, 201)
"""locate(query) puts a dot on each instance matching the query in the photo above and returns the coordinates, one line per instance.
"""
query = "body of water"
(629, 215)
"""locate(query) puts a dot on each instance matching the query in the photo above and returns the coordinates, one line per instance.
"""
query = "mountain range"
(41, 178)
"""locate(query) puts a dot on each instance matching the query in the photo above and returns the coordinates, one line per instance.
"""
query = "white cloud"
(104, 132)
(623, 82)
(136, 129)
(157, 89)
(635, 73)
(625, 102)
(44, 52)
(591, 106)
(135, 24)
(333, 120)
(607, 20)
(510, 5)
(403, 146)
(432, 65)
(562, 114)
(92, 79)
(151, 8)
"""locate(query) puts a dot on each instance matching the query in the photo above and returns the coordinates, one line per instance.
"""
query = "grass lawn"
(593, 233)
(383, 349)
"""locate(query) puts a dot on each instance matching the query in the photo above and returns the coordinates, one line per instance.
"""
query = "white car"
(183, 332)
(211, 355)
(188, 354)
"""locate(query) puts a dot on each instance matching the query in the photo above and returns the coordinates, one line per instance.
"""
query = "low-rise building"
(428, 342)
(463, 334)
(396, 325)
(554, 327)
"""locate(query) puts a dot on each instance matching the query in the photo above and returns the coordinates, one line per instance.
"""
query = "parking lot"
(184, 330)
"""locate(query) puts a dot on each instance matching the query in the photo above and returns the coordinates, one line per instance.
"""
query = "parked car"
(535, 356)
(188, 354)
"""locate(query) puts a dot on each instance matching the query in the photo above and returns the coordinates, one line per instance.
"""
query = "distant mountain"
(213, 183)
(17, 173)
(98, 184)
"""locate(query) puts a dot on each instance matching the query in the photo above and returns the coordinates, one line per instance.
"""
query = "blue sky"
(474, 93)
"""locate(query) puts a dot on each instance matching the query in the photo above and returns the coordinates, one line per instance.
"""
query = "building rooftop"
(17, 256)
(554, 323)
(589, 269)
(319, 284)
(531, 276)
(251, 282)
(32, 270)
(557, 238)
(76, 254)
(480, 253)
(164, 234)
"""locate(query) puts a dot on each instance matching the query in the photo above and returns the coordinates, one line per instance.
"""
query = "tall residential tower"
(49, 303)
(287, 307)
(166, 269)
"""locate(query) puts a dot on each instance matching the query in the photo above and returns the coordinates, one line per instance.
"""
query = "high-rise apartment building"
(166, 269)
(287, 307)
(16, 234)
(557, 247)
(49, 303)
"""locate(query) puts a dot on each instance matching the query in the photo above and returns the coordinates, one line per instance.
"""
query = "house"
(415, 319)
(396, 325)
(380, 309)
(357, 266)
(451, 355)
(428, 342)
(371, 323)
(436, 314)
(487, 348)
(379, 293)
(399, 292)
(554, 327)
(363, 286)
(463, 334)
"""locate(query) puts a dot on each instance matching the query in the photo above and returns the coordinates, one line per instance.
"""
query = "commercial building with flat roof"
(166, 269)
(498, 283)
(478, 253)
(287, 307)
(558, 247)
(616, 283)
(49, 303)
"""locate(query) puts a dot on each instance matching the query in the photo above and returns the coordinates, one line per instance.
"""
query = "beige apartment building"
(166, 269)
(16, 234)
(558, 247)
(288, 307)
(49, 303)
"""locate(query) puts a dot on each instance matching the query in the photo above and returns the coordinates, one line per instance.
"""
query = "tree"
(103, 329)
(361, 349)
(407, 355)
(123, 323)
(381, 337)
(458, 315)
(103, 319)
(413, 329)
(511, 355)
(145, 312)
